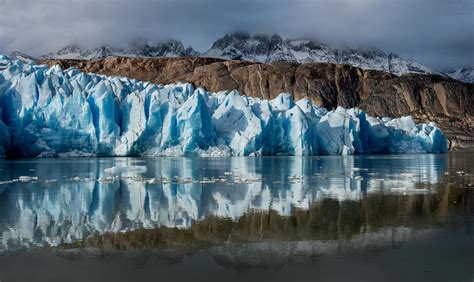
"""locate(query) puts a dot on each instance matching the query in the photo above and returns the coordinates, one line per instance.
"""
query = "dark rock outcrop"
(447, 102)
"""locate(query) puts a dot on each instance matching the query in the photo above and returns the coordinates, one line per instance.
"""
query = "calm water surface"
(357, 218)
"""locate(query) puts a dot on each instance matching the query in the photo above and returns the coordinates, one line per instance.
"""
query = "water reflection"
(52, 202)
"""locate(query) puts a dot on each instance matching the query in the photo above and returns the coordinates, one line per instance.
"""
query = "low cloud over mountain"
(437, 33)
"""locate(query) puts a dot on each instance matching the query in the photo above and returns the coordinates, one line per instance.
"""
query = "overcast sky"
(438, 33)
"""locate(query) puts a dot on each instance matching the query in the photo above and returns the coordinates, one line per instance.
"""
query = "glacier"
(50, 112)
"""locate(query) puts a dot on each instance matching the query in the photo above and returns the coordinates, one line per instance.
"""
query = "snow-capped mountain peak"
(465, 74)
(262, 48)
(265, 49)
(70, 49)
(102, 52)
(170, 48)
(17, 55)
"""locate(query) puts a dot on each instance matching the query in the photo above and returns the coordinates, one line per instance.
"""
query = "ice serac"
(297, 133)
(408, 137)
(194, 124)
(376, 136)
(338, 132)
(237, 125)
(48, 111)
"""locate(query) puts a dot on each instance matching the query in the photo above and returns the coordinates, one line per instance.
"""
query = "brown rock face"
(447, 102)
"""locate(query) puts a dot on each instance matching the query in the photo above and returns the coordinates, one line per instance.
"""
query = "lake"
(328, 218)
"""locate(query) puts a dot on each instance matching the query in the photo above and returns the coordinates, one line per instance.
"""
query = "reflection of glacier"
(81, 203)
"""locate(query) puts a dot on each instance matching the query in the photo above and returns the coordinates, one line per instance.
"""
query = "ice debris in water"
(20, 179)
(404, 190)
(125, 169)
(27, 178)
(54, 112)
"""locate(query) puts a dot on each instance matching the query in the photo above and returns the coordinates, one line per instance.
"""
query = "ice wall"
(54, 112)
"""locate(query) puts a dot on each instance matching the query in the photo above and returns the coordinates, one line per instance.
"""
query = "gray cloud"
(438, 33)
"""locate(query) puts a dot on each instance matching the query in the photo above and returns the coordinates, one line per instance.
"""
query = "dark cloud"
(439, 33)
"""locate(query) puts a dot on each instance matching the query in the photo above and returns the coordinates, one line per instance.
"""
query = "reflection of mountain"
(328, 219)
(273, 253)
(46, 212)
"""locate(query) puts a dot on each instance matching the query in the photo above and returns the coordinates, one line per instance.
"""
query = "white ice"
(47, 112)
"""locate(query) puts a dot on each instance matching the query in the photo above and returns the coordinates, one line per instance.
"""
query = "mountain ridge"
(169, 48)
(266, 49)
(465, 74)
(263, 48)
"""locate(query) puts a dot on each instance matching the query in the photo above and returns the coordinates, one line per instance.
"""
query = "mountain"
(74, 51)
(263, 49)
(465, 74)
(170, 48)
(266, 49)
(22, 57)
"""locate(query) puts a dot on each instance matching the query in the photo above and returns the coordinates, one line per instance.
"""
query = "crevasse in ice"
(53, 112)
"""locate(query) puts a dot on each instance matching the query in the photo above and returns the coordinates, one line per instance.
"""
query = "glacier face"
(54, 112)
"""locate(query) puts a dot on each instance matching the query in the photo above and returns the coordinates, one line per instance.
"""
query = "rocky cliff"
(448, 102)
